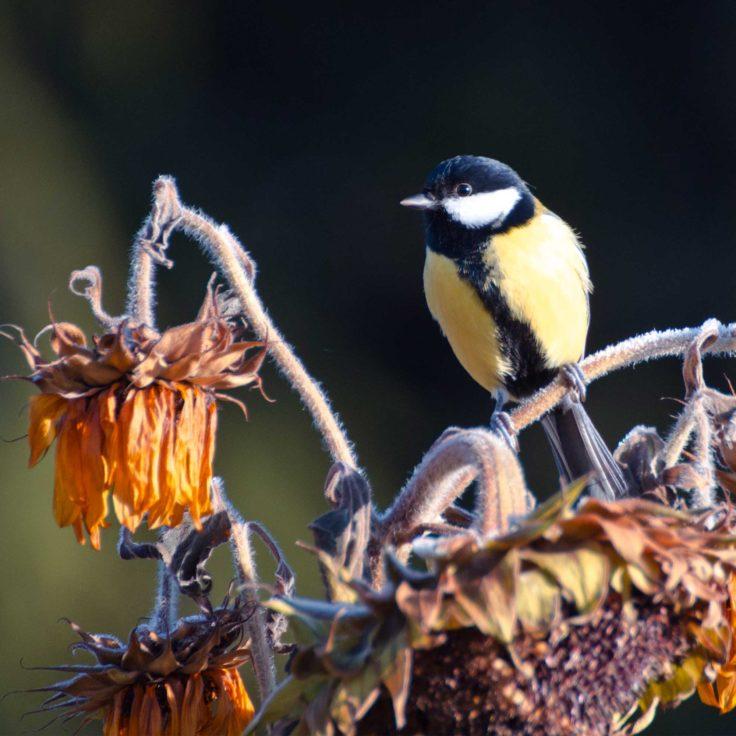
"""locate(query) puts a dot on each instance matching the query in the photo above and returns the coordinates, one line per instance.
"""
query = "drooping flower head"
(134, 416)
(185, 683)
(568, 624)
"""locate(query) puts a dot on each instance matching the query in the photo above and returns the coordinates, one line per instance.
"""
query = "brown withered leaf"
(343, 533)
(185, 555)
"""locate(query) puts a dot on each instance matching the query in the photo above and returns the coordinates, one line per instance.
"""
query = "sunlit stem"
(227, 253)
(679, 436)
(239, 270)
(141, 285)
(149, 249)
(649, 346)
(457, 459)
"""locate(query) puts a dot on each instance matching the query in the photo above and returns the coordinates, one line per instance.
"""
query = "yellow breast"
(465, 321)
(541, 272)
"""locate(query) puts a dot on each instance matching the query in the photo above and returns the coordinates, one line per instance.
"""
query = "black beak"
(419, 202)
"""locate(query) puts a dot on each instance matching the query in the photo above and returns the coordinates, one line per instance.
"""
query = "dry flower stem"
(149, 247)
(245, 568)
(703, 451)
(166, 608)
(649, 346)
(679, 436)
(457, 459)
(230, 257)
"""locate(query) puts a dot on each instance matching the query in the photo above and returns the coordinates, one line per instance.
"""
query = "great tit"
(508, 283)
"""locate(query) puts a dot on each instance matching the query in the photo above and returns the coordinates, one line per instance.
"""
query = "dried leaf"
(583, 574)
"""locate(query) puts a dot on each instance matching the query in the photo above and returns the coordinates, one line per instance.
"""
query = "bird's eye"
(463, 190)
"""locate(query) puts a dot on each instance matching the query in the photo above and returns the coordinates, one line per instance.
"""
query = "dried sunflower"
(569, 624)
(185, 683)
(134, 415)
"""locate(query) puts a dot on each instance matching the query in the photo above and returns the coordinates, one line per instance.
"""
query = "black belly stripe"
(519, 347)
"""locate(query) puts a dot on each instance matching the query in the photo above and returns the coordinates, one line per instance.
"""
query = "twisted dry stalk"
(245, 567)
(151, 243)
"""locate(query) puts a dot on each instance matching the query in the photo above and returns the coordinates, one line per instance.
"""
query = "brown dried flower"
(185, 683)
(134, 415)
(567, 624)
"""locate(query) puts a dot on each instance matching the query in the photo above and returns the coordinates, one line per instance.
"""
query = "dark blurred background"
(302, 128)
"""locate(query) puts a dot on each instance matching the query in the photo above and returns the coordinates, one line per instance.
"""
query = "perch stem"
(649, 346)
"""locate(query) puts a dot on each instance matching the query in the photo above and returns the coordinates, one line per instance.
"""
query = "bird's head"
(473, 193)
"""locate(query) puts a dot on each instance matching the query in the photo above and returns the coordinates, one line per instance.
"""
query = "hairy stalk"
(247, 574)
(703, 452)
(502, 492)
(649, 346)
(166, 606)
(149, 249)
(457, 459)
(679, 436)
(141, 287)
(239, 270)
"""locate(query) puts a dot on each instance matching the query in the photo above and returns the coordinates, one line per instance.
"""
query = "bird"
(508, 282)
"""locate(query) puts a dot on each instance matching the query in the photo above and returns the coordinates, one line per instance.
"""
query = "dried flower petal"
(135, 417)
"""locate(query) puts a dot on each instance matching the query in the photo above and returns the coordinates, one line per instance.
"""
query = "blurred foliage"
(302, 130)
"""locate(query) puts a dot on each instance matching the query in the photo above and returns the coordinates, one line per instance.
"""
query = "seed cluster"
(575, 682)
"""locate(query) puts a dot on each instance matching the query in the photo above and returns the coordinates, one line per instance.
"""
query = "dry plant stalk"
(489, 639)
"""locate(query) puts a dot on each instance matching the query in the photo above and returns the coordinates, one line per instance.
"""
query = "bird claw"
(574, 378)
(503, 425)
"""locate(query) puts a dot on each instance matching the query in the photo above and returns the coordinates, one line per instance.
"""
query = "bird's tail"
(579, 450)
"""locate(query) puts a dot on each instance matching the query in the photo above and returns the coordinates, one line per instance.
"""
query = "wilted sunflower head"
(185, 683)
(134, 414)
(568, 624)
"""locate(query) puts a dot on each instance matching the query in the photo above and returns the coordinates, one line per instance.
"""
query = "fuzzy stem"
(167, 601)
(703, 451)
(448, 468)
(679, 436)
(141, 288)
(649, 346)
(239, 270)
(149, 248)
(247, 574)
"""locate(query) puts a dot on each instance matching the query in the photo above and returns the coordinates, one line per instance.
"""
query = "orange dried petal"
(46, 411)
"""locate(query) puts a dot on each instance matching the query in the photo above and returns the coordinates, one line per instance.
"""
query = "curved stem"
(457, 459)
(238, 268)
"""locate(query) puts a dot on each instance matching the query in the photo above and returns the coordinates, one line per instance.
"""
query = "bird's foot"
(503, 425)
(574, 378)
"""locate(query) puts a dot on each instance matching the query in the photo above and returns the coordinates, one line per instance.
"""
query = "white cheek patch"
(480, 210)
